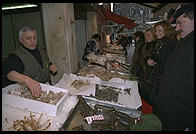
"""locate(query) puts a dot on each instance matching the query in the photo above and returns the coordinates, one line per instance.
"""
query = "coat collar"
(188, 36)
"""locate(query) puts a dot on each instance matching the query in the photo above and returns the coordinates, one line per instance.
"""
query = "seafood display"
(102, 73)
(108, 93)
(114, 46)
(99, 59)
(50, 97)
(113, 119)
(79, 128)
(79, 83)
(30, 124)
(116, 66)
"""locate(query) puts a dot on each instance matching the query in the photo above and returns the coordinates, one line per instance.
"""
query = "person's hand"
(34, 86)
(151, 62)
(53, 68)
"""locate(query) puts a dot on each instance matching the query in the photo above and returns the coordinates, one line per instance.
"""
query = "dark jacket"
(145, 54)
(175, 102)
(163, 49)
(91, 47)
(136, 56)
(149, 88)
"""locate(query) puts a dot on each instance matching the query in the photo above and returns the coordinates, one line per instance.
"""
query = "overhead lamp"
(112, 5)
(100, 4)
(153, 22)
(19, 6)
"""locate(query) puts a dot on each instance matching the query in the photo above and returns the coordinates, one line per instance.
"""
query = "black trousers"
(172, 118)
(146, 91)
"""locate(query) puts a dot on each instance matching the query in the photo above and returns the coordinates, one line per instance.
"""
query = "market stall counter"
(18, 111)
(107, 118)
(79, 113)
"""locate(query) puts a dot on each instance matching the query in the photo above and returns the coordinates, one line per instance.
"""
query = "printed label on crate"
(90, 119)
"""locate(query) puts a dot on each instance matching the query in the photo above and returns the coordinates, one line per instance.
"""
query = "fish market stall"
(23, 114)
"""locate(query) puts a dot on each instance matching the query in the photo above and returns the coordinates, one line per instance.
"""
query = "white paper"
(86, 90)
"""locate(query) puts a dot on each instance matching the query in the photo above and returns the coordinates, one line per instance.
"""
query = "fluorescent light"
(152, 22)
(100, 3)
(111, 6)
(16, 7)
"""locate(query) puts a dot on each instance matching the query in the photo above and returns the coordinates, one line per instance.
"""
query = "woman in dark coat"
(150, 42)
(166, 41)
(135, 65)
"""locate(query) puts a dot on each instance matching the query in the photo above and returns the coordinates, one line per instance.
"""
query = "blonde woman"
(150, 41)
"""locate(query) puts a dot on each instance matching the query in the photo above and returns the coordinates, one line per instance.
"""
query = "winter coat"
(145, 54)
(136, 56)
(163, 49)
(175, 101)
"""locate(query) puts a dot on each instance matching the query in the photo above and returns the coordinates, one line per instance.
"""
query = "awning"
(129, 23)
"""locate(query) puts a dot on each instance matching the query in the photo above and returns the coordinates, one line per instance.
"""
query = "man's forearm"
(17, 77)
(33, 85)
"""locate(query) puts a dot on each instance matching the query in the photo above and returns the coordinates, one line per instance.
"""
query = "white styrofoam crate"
(33, 105)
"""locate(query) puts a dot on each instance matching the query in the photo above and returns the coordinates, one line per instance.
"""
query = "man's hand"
(53, 68)
(34, 86)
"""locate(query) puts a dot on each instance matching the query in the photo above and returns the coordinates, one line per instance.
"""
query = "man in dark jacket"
(175, 102)
(28, 64)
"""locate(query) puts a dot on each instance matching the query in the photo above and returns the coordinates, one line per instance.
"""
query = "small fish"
(6, 120)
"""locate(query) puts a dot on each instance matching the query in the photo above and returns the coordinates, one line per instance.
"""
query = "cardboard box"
(33, 105)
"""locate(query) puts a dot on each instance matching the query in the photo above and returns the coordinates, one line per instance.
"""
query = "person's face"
(29, 40)
(159, 31)
(184, 26)
(137, 39)
(148, 36)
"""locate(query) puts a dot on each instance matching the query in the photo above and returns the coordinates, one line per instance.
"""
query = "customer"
(150, 41)
(93, 46)
(166, 42)
(130, 49)
(135, 66)
(175, 102)
(29, 64)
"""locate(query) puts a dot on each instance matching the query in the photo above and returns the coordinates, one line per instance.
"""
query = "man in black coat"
(175, 102)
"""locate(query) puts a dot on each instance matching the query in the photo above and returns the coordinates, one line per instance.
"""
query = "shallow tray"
(135, 113)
